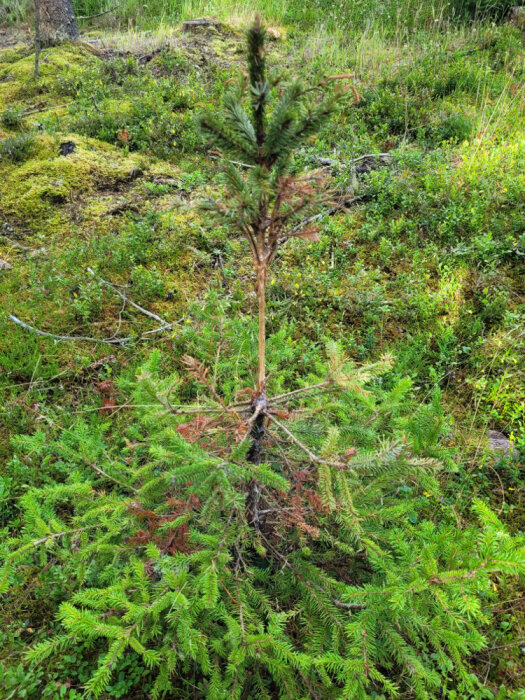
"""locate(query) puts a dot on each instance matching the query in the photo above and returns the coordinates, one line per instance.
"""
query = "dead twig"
(16, 244)
(314, 458)
(345, 203)
(45, 109)
(233, 162)
(106, 341)
(314, 387)
(330, 162)
(99, 14)
(123, 296)
(109, 477)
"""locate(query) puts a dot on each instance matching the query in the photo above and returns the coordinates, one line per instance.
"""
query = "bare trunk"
(261, 293)
(259, 405)
(57, 22)
(38, 41)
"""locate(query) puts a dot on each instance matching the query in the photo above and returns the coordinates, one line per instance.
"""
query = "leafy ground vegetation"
(375, 551)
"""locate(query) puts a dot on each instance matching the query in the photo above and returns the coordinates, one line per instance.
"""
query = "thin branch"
(371, 155)
(45, 109)
(16, 244)
(104, 341)
(173, 409)
(111, 478)
(306, 450)
(332, 161)
(233, 162)
(99, 14)
(314, 387)
(131, 303)
(26, 326)
(29, 251)
(348, 606)
(95, 103)
(107, 341)
(56, 535)
(344, 204)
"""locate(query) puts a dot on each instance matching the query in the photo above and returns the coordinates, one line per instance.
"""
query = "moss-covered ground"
(100, 168)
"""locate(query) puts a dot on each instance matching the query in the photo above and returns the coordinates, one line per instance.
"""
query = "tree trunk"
(57, 22)
(259, 405)
(261, 293)
(38, 44)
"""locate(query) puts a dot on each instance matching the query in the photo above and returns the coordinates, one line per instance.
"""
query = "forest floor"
(103, 250)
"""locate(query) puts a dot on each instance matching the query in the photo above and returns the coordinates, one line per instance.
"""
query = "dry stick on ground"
(182, 409)
(111, 478)
(129, 301)
(306, 450)
(45, 109)
(333, 161)
(16, 244)
(107, 341)
(99, 14)
(340, 206)
(54, 336)
(104, 341)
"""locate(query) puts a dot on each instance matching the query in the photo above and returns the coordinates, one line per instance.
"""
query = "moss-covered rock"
(36, 193)
(17, 81)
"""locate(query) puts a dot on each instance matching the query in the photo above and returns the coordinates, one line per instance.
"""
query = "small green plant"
(17, 148)
(146, 284)
(478, 9)
(455, 127)
(12, 117)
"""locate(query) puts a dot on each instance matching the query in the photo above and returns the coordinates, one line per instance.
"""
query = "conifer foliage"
(351, 583)
(269, 204)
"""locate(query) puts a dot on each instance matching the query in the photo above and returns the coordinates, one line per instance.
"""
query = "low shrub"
(17, 148)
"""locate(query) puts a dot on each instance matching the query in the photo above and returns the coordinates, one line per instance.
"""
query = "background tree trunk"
(57, 22)
(38, 44)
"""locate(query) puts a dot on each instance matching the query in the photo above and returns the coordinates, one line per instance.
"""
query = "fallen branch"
(111, 478)
(233, 162)
(328, 162)
(343, 204)
(306, 450)
(99, 14)
(107, 341)
(370, 155)
(348, 606)
(27, 327)
(314, 387)
(182, 409)
(56, 535)
(25, 249)
(45, 109)
(132, 303)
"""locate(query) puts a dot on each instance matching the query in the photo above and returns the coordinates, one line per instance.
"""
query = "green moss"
(17, 80)
(13, 54)
(36, 193)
